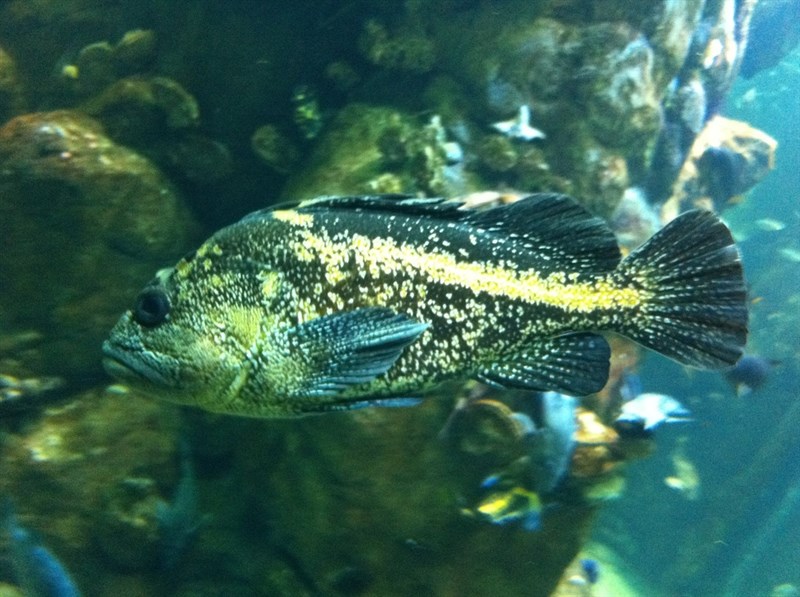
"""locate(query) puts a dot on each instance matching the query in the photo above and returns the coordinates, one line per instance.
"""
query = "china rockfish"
(343, 302)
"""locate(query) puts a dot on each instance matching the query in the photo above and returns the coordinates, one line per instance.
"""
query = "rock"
(594, 88)
(10, 88)
(603, 180)
(85, 476)
(381, 525)
(497, 153)
(95, 67)
(126, 530)
(342, 74)
(669, 30)
(7, 590)
(100, 64)
(194, 157)
(136, 49)
(408, 49)
(151, 103)
(365, 143)
(624, 99)
(594, 456)
(85, 223)
(275, 148)
(727, 158)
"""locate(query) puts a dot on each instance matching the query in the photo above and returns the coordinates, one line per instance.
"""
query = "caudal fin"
(696, 310)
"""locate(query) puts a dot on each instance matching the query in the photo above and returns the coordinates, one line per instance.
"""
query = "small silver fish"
(519, 127)
(770, 225)
(790, 254)
(651, 410)
(558, 412)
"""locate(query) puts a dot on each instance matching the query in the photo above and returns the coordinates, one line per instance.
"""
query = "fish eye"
(151, 307)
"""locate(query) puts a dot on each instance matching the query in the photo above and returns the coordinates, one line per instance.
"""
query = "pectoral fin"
(336, 351)
(575, 364)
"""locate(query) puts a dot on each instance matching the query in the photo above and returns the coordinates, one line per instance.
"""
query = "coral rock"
(727, 159)
(85, 222)
(10, 89)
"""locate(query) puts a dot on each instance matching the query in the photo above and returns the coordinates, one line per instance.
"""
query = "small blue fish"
(750, 373)
(631, 386)
(722, 173)
(651, 410)
(591, 569)
(179, 521)
(37, 570)
(492, 480)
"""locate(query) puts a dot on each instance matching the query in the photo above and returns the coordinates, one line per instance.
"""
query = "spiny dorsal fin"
(408, 205)
(395, 203)
(555, 231)
(557, 226)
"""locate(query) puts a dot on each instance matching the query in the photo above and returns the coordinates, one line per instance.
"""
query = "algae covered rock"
(10, 88)
(407, 50)
(383, 511)
(727, 159)
(594, 90)
(274, 148)
(100, 63)
(670, 29)
(368, 149)
(85, 477)
(85, 223)
(136, 101)
(624, 99)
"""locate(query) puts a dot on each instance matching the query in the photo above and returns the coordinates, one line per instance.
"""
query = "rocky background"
(130, 131)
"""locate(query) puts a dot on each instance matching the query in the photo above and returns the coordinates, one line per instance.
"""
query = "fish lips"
(130, 364)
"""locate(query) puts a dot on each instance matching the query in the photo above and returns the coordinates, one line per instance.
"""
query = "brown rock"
(727, 159)
(10, 89)
(84, 222)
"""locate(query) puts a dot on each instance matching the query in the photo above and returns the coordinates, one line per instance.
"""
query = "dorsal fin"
(408, 205)
(555, 225)
(554, 231)
(394, 203)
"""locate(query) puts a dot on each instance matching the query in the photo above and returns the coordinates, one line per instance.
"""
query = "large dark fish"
(344, 302)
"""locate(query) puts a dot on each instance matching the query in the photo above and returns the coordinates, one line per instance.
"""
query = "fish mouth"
(130, 365)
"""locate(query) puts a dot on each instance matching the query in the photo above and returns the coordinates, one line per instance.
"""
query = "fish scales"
(478, 310)
(343, 302)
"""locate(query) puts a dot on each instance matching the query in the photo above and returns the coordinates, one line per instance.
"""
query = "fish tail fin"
(695, 308)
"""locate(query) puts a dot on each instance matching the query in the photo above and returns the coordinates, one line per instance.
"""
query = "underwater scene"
(387, 298)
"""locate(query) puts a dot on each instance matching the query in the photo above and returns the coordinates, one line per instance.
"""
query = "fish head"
(186, 338)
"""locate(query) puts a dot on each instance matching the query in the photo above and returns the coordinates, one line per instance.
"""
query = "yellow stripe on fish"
(387, 256)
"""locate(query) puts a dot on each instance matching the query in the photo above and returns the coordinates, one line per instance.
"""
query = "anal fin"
(347, 405)
(575, 364)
